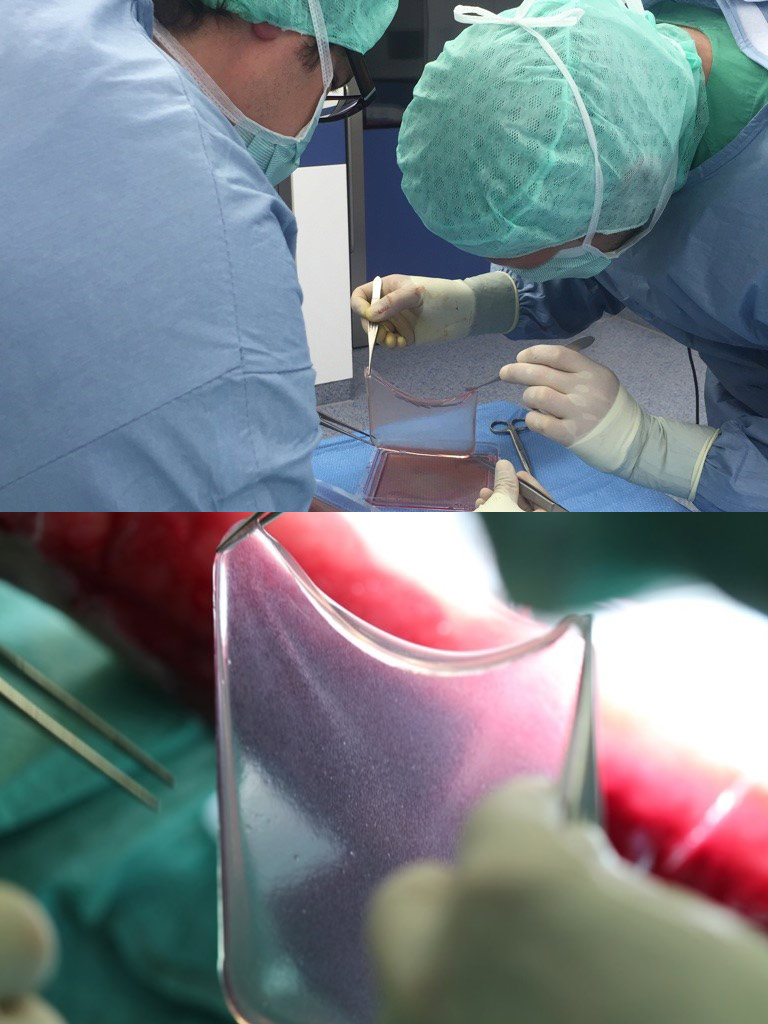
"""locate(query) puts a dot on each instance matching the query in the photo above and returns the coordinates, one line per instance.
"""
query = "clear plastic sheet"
(399, 421)
(429, 482)
(329, 498)
(345, 752)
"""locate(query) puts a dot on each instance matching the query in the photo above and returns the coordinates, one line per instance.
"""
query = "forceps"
(48, 723)
(341, 427)
(508, 427)
(579, 786)
(577, 345)
(536, 497)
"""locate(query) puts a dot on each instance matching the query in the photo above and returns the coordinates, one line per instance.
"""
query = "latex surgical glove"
(28, 956)
(29, 1010)
(420, 310)
(505, 496)
(540, 923)
(580, 404)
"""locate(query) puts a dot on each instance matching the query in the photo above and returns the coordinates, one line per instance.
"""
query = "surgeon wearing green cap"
(603, 156)
(154, 350)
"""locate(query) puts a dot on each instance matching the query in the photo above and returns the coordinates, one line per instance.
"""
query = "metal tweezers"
(579, 785)
(578, 345)
(345, 428)
(49, 724)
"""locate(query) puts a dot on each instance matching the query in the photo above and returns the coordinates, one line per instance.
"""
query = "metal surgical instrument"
(48, 723)
(537, 497)
(578, 345)
(579, 782)
(341, 427)
(508, 427)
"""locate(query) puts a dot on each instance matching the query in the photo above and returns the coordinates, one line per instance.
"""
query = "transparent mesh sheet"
(329, 498)
(344, 753)
(429, 482)
(402, 422)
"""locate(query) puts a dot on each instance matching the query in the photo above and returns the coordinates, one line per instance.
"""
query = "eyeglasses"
(353, 97)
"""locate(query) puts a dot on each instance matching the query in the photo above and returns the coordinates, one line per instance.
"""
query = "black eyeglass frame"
(352, 103)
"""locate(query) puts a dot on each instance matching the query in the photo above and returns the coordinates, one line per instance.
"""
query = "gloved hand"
(505, 496)
(540, 922)
(28, 956)
(418, 310)
(580, 404)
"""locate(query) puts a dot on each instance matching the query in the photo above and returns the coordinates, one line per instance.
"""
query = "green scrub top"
(737, 87)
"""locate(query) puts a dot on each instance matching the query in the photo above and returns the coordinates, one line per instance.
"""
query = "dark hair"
(309, 55)
(187, 15)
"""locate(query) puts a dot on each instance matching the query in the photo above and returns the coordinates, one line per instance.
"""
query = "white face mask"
(584, 260)
(277, 155)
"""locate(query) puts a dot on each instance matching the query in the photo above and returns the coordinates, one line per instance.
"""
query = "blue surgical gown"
(151, 336)
(700, 276)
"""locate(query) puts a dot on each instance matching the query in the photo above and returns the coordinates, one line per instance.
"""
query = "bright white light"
(692, 664)
(449, 554)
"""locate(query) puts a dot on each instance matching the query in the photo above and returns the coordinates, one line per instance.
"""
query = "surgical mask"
(584, 260)
(277, 155)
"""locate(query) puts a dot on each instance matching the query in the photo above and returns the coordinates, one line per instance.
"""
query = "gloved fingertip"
(401, 342)
(505, 479)
(533, 421)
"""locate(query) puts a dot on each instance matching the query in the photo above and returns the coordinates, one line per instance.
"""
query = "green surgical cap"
(493, 150)
(355, 24)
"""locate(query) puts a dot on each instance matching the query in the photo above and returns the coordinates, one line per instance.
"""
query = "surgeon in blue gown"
(651, 196)
(152, 349)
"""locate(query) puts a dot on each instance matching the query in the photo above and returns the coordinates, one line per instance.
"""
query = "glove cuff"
(669, 456)
(497, 307)
(651, 451)
(612, 443)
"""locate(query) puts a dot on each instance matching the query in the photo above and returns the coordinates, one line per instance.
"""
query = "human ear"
(265, 32)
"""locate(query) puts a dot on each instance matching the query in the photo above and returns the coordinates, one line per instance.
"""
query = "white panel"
(320, 205)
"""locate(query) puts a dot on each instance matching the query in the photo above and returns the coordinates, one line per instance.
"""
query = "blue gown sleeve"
(735, 474)
(560, 309)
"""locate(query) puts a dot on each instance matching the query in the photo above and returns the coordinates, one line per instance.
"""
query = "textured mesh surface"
(494, 153)
(403, 422)
(356, 24)
(405, 481)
